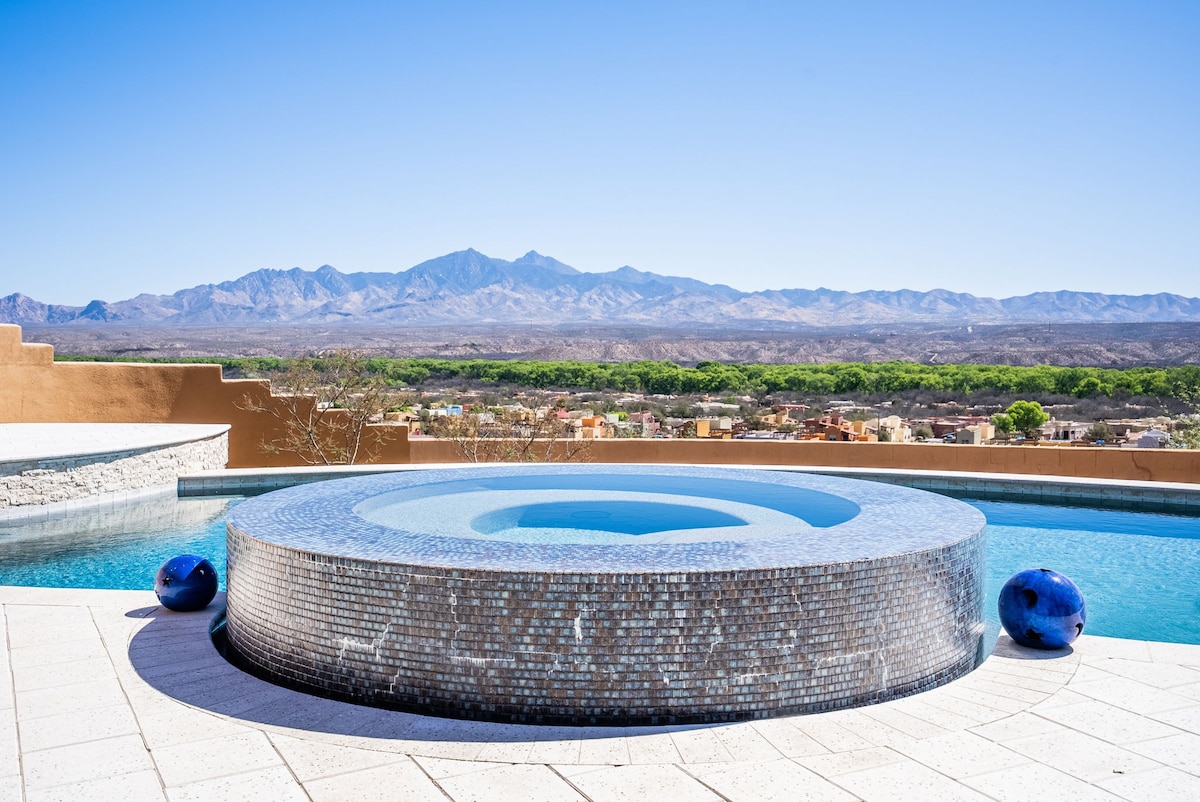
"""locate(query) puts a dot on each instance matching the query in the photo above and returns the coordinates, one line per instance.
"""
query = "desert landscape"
(1117, 345)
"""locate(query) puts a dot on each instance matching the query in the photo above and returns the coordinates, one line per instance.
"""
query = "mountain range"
(468, 287)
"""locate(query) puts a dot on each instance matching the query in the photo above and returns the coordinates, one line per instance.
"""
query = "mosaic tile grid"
(598, 646)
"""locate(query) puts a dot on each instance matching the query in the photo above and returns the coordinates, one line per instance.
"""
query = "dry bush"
(324, 406)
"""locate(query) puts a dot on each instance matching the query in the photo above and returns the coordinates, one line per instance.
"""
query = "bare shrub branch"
(324, 406)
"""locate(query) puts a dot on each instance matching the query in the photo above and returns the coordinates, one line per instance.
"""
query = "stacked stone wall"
(36, 482)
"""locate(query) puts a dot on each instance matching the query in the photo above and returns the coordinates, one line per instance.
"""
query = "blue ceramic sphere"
(1042, 609)
(186, 583)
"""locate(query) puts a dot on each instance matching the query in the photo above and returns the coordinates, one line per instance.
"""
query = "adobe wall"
(36, 389)
(1158, 465)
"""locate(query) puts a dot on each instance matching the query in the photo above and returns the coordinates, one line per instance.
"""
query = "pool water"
(401, 508)
(1139, 571)
(120, 548)
(622, 517)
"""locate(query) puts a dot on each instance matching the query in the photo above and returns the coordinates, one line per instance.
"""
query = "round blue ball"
(186, 583)
(1042, 609)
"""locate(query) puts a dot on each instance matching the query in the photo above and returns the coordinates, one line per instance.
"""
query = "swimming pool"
(119, 548)
(1138, 569)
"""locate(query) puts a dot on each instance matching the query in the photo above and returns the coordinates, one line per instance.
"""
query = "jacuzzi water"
(601, 508)
(581, 520)
(1137, 569)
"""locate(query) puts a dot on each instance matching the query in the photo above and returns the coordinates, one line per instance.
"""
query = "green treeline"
(834, 378)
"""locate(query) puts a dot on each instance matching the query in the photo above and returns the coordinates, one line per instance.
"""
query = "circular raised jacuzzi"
(606, 594)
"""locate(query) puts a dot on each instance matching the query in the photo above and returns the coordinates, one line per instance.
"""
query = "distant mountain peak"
(100, 311)
(535, 259)
(467, 287)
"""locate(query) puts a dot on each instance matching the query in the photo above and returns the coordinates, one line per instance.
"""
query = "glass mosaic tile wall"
(561, 594)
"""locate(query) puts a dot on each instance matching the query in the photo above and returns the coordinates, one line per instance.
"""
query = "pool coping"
(30, 442)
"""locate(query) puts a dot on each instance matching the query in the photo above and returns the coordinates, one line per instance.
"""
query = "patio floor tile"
(115, 712)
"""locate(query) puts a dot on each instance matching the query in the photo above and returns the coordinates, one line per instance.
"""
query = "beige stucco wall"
(1161, 465)
(1102, 463)
(35, 389)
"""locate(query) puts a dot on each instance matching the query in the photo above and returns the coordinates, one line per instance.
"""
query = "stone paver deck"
(105, 695)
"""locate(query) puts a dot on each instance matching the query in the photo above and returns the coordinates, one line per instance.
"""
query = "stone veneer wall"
(51, 480)
(627, 648)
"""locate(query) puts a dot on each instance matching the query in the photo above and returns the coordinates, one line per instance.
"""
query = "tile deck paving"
(105, 695)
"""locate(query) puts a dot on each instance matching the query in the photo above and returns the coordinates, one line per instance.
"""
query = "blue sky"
(992, 148)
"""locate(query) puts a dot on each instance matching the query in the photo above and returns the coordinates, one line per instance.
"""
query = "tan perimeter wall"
(35, 389)
(1158, 465)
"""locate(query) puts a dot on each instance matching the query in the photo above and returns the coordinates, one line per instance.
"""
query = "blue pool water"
(1139, 571)
(119, 548)
(622, 517)
(560, 518)
(814, 507)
